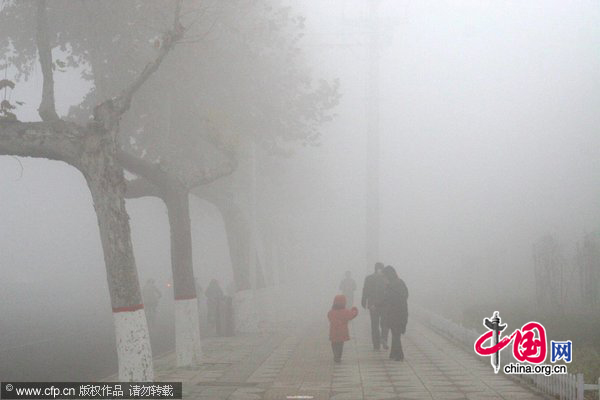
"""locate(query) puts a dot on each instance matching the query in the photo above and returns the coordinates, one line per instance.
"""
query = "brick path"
(300, 363)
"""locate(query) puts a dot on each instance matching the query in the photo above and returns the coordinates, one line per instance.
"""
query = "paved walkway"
(288, 365)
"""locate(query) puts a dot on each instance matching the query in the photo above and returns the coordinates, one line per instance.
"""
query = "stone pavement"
(299, 364)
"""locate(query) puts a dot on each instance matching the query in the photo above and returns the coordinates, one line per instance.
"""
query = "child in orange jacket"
(339, 316)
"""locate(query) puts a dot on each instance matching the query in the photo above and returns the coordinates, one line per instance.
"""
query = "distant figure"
(151, 296)
(213, 294)
(395, 314)
(201, 302)
(372, 299)
(338, 317)
(348, 286)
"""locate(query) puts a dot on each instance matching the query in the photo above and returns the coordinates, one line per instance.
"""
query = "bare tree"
(171, 186)
(93, 150)
(588, 262)
(549, 273)
(205, 111)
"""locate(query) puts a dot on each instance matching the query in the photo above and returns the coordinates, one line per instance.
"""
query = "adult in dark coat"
(214, 295)
(151, 296)
(395, 310)
(372, 299)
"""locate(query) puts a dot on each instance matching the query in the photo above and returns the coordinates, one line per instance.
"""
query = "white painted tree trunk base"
(133, 346)
(187, 333)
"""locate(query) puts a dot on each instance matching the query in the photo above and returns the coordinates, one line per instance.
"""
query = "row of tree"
(560, 283)
(177, 122)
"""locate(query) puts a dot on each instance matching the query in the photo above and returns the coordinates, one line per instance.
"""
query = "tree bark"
(238, 236)
(58, 140)
(172, 185)
(92, 151)
(187, 327)
(155, 182)
(47, 108)
(107, 184)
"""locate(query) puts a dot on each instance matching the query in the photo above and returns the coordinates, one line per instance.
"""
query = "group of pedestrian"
(385, 295)
(208, 301)
(214, 295)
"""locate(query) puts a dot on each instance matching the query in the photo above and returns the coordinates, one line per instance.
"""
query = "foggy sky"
(489, 131)
(489, 140)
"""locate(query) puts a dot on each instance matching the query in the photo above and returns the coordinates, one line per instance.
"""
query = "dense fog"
(488, 142)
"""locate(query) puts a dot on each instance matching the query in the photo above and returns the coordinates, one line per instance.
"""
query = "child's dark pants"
(337, 348)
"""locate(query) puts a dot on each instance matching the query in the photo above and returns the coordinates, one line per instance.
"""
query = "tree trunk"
(187, 327)
(238, 238)
(155, 182)
(92, 151)
(237, 231)
(107, 186)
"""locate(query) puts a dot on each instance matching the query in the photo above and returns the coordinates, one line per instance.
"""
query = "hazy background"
(489, 140)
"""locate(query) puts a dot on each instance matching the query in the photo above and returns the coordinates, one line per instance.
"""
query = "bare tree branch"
(141, 187)
(142, 168)
(201, 36)
(177, 14)
(193, 175)
(164, 174)
(121, 103)
(21, 165)
(47, 108)
(56, 140)
(212, 175)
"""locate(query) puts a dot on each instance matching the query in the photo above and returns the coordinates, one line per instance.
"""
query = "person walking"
(214, 295)
(151, 296)
(339, 316)
(372, 299)
(395, 310)
(347, 287)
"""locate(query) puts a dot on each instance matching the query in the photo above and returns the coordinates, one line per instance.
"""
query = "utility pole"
(368, 25)
(252, 253)
(373, 150)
